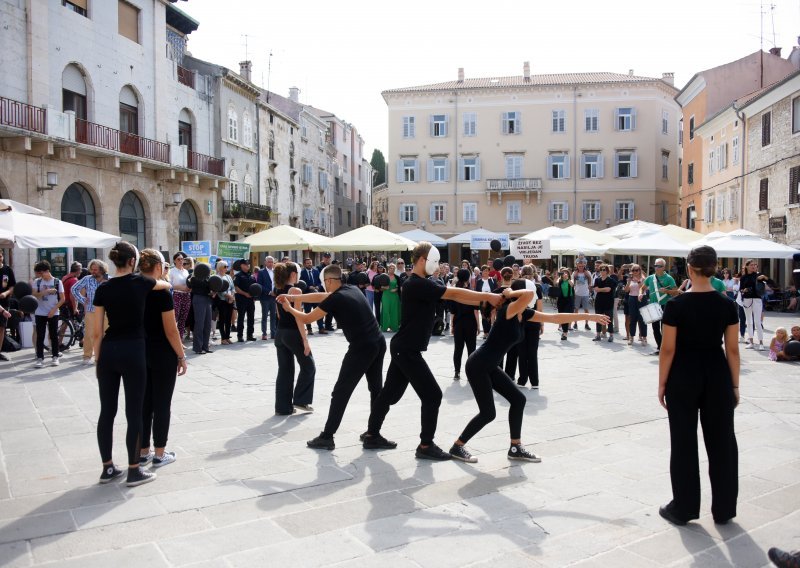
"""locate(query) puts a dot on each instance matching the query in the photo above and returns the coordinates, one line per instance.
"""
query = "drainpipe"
(743, 146)
(575, 150)
(455, 160)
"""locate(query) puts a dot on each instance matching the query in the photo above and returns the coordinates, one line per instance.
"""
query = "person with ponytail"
(696, 375)
(165, 360)
(122, 355)
(466, 323)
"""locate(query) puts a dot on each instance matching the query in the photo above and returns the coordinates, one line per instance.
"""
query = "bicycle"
(70, 330)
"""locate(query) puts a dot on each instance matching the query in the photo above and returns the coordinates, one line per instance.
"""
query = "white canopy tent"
(11, 205)
(650, 243)
(466, 238)
(284, 237)
(681, 234)
(366, 238)
(563, 242)
(630, 229)
(745, 244)
(418, 235)
(25, 230)
(587, 234)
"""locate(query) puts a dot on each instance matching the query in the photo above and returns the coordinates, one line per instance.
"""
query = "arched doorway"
(132, 220)
(187, 223)
(77, 207)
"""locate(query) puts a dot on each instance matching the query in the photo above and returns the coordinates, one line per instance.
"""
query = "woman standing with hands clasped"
(697, 375)
(751, 285)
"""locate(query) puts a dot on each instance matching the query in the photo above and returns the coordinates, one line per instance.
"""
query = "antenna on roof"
(269, 72)
(245, 36)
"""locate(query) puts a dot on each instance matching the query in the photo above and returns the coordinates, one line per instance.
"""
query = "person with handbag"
(662, 287)
(634, 302)
(751, 287)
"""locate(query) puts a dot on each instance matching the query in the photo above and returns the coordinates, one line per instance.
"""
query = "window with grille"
(763, 194)
(794, 185)
(766, 128)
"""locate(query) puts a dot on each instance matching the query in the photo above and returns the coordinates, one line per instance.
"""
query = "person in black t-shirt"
(485, 375)
(696, 375)
(245, 304)
(465, 324)
(418, 311)
(121, 354)
(604, 288)
(366, 350)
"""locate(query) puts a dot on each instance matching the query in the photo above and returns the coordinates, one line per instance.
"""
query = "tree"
(378, 163)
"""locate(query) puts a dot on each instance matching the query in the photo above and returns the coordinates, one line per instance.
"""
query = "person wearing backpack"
(751, 286)
(49, 291)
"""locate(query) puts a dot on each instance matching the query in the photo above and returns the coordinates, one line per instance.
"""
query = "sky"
(343, 54)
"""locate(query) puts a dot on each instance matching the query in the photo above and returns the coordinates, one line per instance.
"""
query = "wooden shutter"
(566, 212)
(633, 118)
(616, 119)
(567, 171)
(518, 125)
(766, 128)
(400, 171)
(430, 125)
(416, 170)
(447, 170)
(599, 208)
(402, 211)
(550, 207)
(634, 164)
(477, 168)
(794, 185)
(432, 212)
(549, 167)
(446, 125)
(600, 166)
(763, 194)
(616, 165)
(584, 210)
(128, 21)
(430, 170)
(461, 169)
(633, 210)
(583, 166)
(504, 123)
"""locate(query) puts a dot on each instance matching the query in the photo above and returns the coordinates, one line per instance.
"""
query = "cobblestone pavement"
(245, 490)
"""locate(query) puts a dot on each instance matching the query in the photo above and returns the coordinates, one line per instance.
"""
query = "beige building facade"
(515, 154)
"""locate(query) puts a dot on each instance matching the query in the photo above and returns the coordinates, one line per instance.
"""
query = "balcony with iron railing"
(234, 209)
(207, 164)
(21, 115)
(111, 139)
(186, 76)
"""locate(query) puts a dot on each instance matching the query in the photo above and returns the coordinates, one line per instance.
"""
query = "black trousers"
(657, 333)
(329, 322)
(408, 367)
(610, 313)
(121, 359)
(565, 306)
(700, 382)
(361, 359)
(465, 334)
(289, 345)
(528, 355)
(162, 364)
(245, 307)
(484, 377)
(49, 325)
(224, 310)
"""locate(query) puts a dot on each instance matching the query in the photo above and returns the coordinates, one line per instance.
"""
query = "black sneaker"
(320, 443)
(518, 452)
(363, 436)
(460, 453)
(668, 513)
(575, 326)
(432, 452)
(456, 376)
(240, 340)
(783, 559)
(139, 476)
(586, 327)
(110, 473)
(378, 443)
(251, 338)
(596, 338)
(4, 357)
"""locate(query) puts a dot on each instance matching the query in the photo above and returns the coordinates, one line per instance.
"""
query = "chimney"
(460, 74)
(526, 71)
(668, 78)
(245, 69)
(294, 94)
(630, 72)
(775, 51)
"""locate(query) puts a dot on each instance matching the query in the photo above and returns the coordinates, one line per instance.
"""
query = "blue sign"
(196, 249)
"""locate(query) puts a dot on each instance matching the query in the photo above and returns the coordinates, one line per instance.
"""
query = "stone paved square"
(245, 490)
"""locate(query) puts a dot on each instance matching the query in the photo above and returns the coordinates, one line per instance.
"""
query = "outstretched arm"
(306, 318)
(470, 297)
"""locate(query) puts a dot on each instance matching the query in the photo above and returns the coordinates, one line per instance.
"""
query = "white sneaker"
(166, 459)
(760, 347)
(749, 345)
(39, 363)
(89, 361)
(56, 362)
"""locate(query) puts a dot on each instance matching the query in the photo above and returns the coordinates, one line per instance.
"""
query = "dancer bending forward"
(484, 373)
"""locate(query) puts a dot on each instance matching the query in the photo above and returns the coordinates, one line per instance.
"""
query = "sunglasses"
(635, 270)
(659, 266)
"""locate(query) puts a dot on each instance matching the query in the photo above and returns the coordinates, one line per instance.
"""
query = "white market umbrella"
(562, 242)
(466, 238)
(24, 230)
(630, 229)
(11, 205)
(418, 235)
(284, 237)
(651, 243)
(681, 234)
(745, 244)
(587, 234)
(367, 238)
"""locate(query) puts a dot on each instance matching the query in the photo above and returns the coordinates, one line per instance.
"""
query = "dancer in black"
(466, 322)
(291, 343)
(697, 376)
(366, 350)
(166, 360)
(420, 296)
(528, 349)
(484, 373)
(121, 354)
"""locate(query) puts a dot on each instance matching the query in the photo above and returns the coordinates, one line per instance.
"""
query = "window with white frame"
(558, 212)
(470, 123)
(438, 170)
(511, 123)
(408, 213)
(407, 170)
(248, 189)
(469, 213)
(247, 130)
(664, 165)
(795, 115)
(735, 149)
(591, 211)
(624, 210)
(722, 157)
(625, 118)
(470, 168)
(559, 120)
(439, 213)
(408, 127)
(592, 165)
(664, 122)
(233, 124)
(733, 204)
(558, 166)
(591, 119)
(708, 213)
(303, 128)
(513, 166)
(720, 200)
(514, 212)
(438, 125)
(625, 164)
(233, 186)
